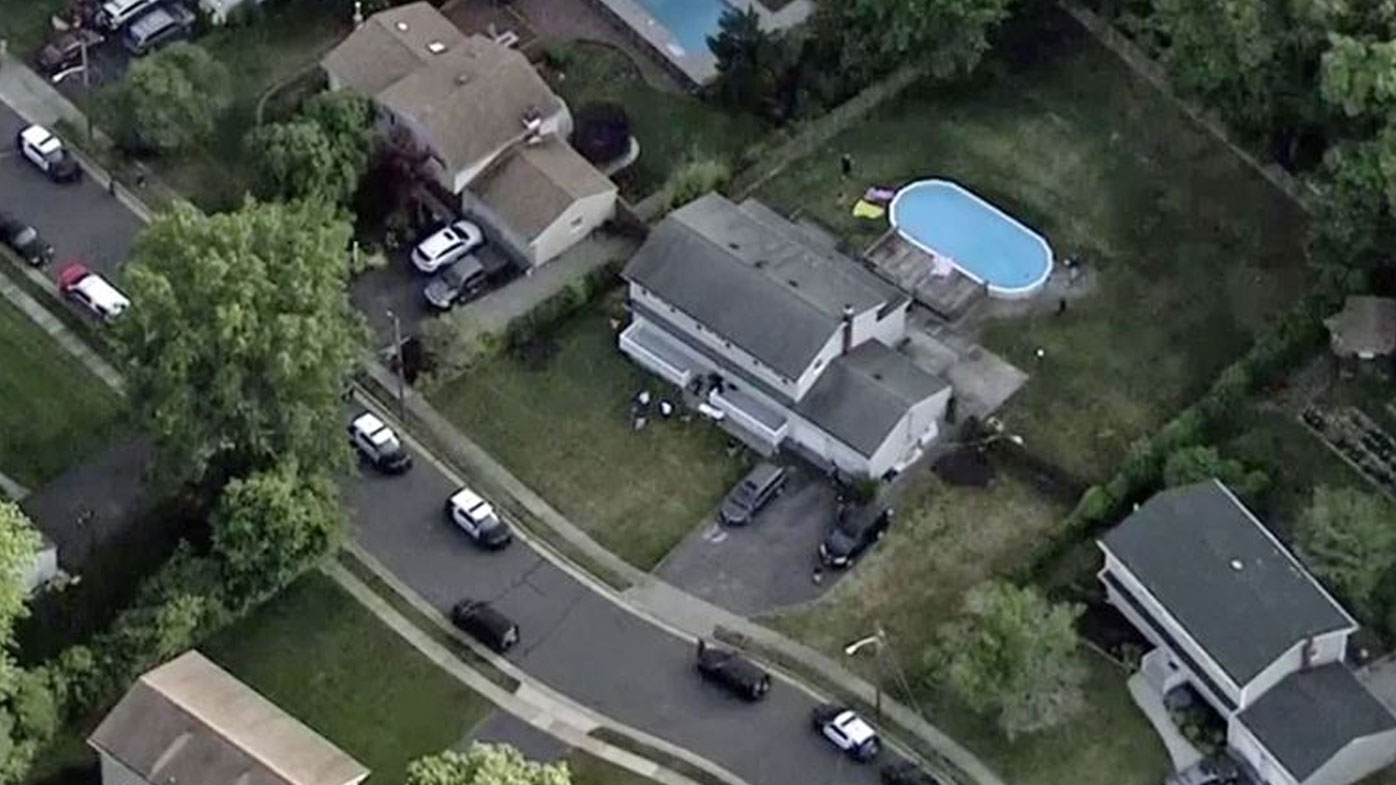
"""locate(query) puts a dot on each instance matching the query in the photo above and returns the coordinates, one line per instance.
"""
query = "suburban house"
(493, 130)
(188, 722)
(792, 341)
(1232, 614)
(1365, 329)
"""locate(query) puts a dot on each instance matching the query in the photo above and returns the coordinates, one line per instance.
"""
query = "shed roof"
(1365, 327)
(532, 187)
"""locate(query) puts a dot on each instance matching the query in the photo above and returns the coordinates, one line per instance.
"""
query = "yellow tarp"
(866, 209)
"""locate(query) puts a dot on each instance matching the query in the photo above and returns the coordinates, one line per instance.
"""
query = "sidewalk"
(662, 603)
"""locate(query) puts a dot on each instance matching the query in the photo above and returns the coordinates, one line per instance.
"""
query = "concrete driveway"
(766, 565)
(81, 221)
(586, 646)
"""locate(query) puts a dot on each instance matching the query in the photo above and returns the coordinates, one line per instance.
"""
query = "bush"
(693, 179)
(602, 132)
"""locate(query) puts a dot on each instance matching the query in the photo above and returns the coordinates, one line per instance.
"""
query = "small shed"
(1364, 329)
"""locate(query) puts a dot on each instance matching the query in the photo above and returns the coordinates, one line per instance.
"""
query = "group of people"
(640, 409)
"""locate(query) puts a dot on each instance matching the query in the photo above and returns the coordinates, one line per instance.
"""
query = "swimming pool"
(978, 239)
(689, 21)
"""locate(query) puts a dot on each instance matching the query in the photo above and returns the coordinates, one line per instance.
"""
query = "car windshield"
(26, 235)
(456, 275)
(744, 493)
(54, 155)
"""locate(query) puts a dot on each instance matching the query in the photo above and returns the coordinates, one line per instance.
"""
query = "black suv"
(854, 530)
(25, 241)
(906, 773)
(733, 671)
(757, 488)
(482, 622)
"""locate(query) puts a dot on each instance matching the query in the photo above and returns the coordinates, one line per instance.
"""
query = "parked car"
(157, 27)
(25, 241)
(378, 444)
(47, 152)
(65, 50)
(92, 291)
(854, 531)
(757, 488)
(447, 246)
(476, 517)
(456, 284)
(906, 773)
(482, 622)
(846, 730)
(116, 14)
(732, 671)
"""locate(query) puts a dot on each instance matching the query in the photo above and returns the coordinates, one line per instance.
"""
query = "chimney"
(847, 328)
(1307, 654)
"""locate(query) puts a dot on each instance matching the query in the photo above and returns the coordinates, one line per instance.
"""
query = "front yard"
(1192, 251)
(55, 412)
(561, 423)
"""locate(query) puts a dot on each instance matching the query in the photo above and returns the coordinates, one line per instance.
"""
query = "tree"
(1354, 227)
(270, 526)
(694, 178)
(171, 100)
(1012, 655)
(1223, 50)
(242, 337)
(1199, 464)
(602, 132)
(1349, 539)
(28, 716)
(752, 63)
(485, 764)
(1359, 76)
(321, 154)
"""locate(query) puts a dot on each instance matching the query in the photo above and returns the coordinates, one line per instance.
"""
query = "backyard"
(1191, 252)
(670, 127)
(55, 411)
(560, 422)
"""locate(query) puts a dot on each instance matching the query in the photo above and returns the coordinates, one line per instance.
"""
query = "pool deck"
(913, 271)
(696, 68)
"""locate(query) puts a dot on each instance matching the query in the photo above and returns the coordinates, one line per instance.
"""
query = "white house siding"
(832, 349)
(1151, 606)
(818, 441)
(1357, 760)
(1326, 648)
(1246, 747)
(575, 223)
(114, 772)
(697, 333)
(890, 329)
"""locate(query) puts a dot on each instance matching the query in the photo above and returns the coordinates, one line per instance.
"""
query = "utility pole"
(401, 382)
(876, 640)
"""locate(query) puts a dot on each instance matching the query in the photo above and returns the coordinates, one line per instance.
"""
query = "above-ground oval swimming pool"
(978, 239)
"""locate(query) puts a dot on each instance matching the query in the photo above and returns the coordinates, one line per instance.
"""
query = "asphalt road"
(585, 646)
(81, 221)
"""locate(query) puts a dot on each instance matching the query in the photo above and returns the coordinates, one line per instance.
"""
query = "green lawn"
(1195, 251)
(670, 127)
(25, 23)
(55, 412)
(562, 426)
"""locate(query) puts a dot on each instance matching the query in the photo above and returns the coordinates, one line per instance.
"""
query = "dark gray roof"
(1184, 545)
(1312, 715)
(863, 394)
(755, 280)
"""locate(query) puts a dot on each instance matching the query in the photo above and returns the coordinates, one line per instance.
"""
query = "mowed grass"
(949, 540)
(328, 662)
(1192, 251)
(563, 427)
(670, 127)
(55, 411)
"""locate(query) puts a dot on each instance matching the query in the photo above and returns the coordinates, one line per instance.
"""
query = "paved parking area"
(766, 565)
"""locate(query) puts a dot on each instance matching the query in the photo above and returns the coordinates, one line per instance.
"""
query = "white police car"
(377, 443)
(847, 731)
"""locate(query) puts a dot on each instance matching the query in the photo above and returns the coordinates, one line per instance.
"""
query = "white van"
(116, 14)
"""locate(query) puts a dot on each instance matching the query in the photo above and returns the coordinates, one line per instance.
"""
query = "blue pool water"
(691, 21)
(984, 242)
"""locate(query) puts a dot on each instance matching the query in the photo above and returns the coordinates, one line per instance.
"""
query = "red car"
(92, 291)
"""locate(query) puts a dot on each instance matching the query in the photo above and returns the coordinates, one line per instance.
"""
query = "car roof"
(440, 242)
(101, 293)
(471, 502)
(41, 138)
(854, 727)
(118, 7)
(151, 22)
(468, 266)
(375, 429)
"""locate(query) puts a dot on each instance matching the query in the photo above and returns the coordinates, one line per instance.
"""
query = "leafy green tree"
(270, 526)
(171, 100)
(485, 764)
(1349, 539)
(1199, 464)
(28, 716)
(1223, 50)
(752, 63)
(321, 154)
(1359, 76)
(1012, 655)
(241, 338)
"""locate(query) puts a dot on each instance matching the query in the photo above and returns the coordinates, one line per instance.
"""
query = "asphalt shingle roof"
(1239, 593)
(863, 394)
(1366, 325)
(532, 188)
(1312, 715)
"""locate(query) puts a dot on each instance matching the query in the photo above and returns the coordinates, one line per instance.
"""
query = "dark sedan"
(25, 241)
(854, 531)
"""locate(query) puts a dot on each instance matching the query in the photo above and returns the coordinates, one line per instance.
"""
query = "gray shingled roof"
(390, 45)
(757, 282)
(1184, 545)
(1366, 325)
(863, 394)
(1312, 715)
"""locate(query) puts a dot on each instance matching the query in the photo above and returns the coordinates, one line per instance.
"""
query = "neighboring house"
(1365, 328)
(188, 722)
(791, 340)
(482, 114)
(1234, 615)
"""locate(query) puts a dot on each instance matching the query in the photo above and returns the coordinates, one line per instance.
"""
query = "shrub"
(693, 179)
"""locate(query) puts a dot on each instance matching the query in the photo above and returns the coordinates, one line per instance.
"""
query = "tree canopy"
(241, 337)
(602, 132)
(320, 154)
(1013, 656)
(751, 62)
(1349, 539)
(170, 100)
(270, 526)
(1199, 464)
(28, 716)
(485, 764)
